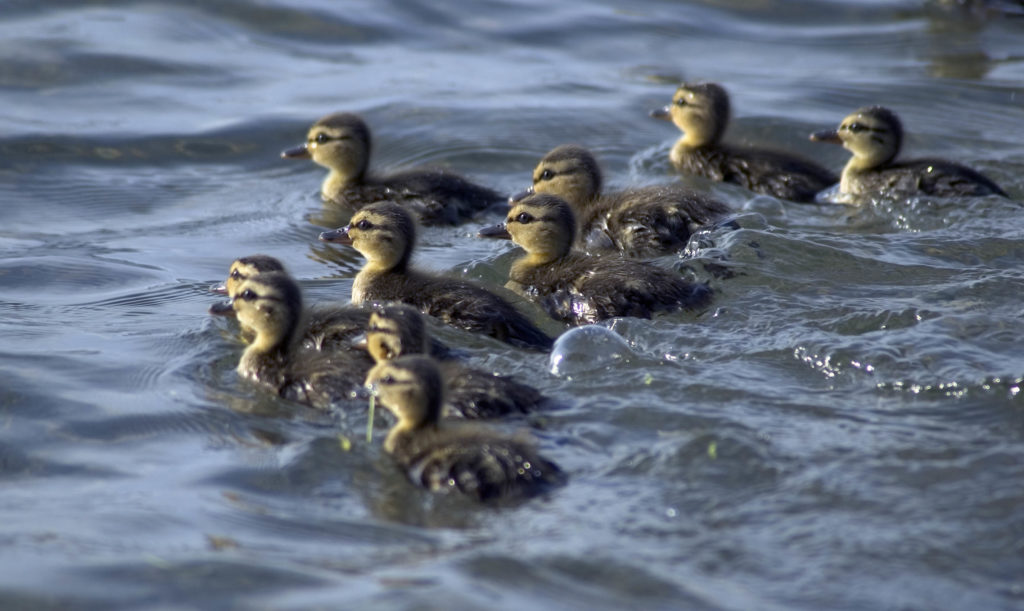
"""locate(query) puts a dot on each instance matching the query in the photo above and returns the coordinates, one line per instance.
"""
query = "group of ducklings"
(582, 264)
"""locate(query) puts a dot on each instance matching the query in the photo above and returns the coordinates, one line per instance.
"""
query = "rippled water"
(844, 430)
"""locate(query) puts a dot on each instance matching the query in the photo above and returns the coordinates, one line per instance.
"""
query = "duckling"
(271, 305)
(328, 327)
(398, 329)
(643, 222)
(341, 143)
(577, 288)
(701, 111)
(874, 134)
(385, 233)
(444, 456)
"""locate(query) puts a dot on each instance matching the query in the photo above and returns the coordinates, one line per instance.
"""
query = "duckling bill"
(385, 234)
(874, 135)
(341, 142)
(701, 111)
(453, 457)
(577, 288)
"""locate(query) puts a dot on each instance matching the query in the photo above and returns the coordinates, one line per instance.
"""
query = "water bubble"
(587, 348)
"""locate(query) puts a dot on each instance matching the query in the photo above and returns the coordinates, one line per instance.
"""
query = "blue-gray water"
(844, 430)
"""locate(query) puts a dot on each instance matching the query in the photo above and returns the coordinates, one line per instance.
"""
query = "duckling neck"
(337, 181)
(404, 430)
(369, 275)
(533, 261)
(264, 346)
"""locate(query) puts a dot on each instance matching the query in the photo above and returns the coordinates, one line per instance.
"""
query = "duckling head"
(700, 110)
(544, 225)
(411, 388)
(383, 232)
(246, 267)
(270, 304)
(873, 134)
(395, 330)
(340, 142)
(568, 171)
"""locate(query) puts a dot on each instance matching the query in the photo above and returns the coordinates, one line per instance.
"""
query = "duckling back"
(476, 462)
(580, 289)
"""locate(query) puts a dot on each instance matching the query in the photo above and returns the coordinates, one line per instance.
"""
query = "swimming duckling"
(643, 222)
(271, 305)
(874, 135)
(385, 233)
(341, 143)
(701, 111)
(441, 455)
(327, 327)
(577, 288)
(398, 329)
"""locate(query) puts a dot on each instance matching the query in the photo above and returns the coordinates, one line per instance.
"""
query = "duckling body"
(327, 327)
(385, 233)
(577, 288)
(270, 304)
(398, 329)
(701, 111)
(445, 456)
(874, 134)
(643, 222)
(341, 143)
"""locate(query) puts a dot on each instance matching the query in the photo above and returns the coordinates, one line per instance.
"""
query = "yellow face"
(267, 305)
(379, 237)
(239, 273)
(543, 226)
(869, 137)
(701, 111)
(399, 390)
(570, 173)
(383, 338)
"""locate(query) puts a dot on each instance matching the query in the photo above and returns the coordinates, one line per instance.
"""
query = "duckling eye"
(680, 102)
(547, 175)
(856, 127)
(249, 295)
(235, 274)
(364, 224)
(322, 137)
(524, 218)
(388, 379)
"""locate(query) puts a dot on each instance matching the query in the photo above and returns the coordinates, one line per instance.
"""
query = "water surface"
(842, 430)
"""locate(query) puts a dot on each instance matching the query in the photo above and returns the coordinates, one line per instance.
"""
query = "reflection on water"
(842, 429)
